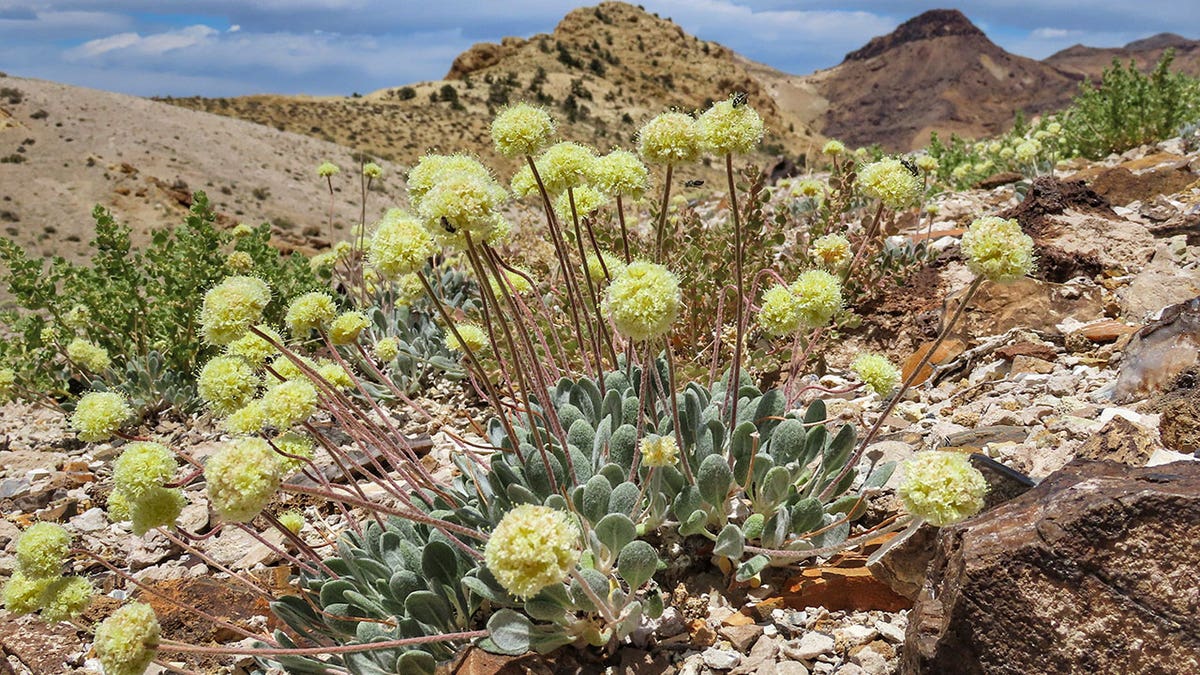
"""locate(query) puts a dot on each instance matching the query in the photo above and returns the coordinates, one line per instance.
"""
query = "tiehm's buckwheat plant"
(591, 463)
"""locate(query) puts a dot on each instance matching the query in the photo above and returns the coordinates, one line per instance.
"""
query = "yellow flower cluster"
(566, 165)
(8, 382)
(643, 300)
(400, 245)
(253, 348)
(327, 169)
(474, 337)
(346, 328)
(620, 172)
(941, 487)
(889, 181)
(876, 372)
(387, 348)
(521, 130)
(99, 414)
(659, 451)
(730, 128)
(670, 138)
(831, 250)
(242, 477)
(596, 270)
(372, 170)
(587, 200)
(231, 307)
(308, 312)
(127, 641)
(289, 402)
(532, 548)
(997, 249)
(834, 148)
(227, 383)
(38, 584)
(89, 356)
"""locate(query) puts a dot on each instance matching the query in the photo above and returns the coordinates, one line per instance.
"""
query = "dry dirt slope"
(79, 147)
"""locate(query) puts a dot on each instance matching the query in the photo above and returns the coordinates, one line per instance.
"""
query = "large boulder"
(1093, 571)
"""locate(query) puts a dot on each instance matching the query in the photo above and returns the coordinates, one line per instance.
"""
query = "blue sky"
(233, 47)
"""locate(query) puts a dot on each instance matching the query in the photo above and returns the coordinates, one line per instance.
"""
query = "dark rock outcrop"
(1093, 571)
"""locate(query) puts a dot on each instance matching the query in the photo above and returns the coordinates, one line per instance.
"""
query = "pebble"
(92, 520)
(871, 661)
(857, 634)
(790, 668)
(721, 659)
(808, 647)
(890, 631)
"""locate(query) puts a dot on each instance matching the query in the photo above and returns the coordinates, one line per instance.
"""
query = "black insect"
(448, 227)
(912, 168)
(693, 183)
(740, 98)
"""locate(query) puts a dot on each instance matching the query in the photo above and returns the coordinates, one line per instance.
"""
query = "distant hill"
(935, 72)
(1091, 61)
(604, 71)
(64, 149)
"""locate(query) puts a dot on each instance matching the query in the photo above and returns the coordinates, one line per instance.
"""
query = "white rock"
(790, 668)
(871, 661)
(1163, 456)
(857, 635)
(92, 520)
(720, 659)
(1108, 414)
(890, 631)
(808, 647)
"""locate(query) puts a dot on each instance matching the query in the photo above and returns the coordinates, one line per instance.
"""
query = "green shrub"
(1129, 109)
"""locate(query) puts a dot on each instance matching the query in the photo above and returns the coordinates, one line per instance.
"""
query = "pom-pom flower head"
(289, 402)
(532, 548)
(143, 465)
(621, 173)
(728, 128)
(997, 249)
(372, 170)
(834, 148)
(42, 550)
(643, 300)
(242, 477)
(587, 201)
(523, 183)
(475, 338)
(227, 383)
(90, 356)
(255, 349)
(401, 245)
(566, 165)
(99, 414)
(293, 521)
(23, 595)
(596, 267)
(432, 169)
(156, 507)
(66, 598)
(780, 313)
(248, 419)
(521, 130)
(831, 250)
(311, 311)
(126, 642)
(927, 163)
(889, 181)
(460, 204)
(327, 169)
(876, 372)
(231, 307)
(387, 348)
(670, 138)
(818, 297)
(659, 451)
(347, 327)
(942, 487)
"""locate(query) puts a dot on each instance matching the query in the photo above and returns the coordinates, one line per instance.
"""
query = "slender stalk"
(740, 308)
(683, 460)
(598, 332)
(662, 215)
(624, 230)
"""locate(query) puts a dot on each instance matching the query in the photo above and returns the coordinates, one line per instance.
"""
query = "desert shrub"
(1128, 108)
(139, 305)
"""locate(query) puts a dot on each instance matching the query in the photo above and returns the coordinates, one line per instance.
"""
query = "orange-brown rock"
(841, 588)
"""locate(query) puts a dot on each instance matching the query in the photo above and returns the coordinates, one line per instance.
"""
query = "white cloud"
(155, 44)
(1050, 33)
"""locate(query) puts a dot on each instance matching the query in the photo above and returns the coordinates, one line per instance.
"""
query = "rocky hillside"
(936, 72)
(604, 71)
(1091, 61)
(64, 149)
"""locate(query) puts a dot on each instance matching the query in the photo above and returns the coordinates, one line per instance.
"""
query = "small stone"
(856, 635)
(1031, 364)
(92, 520)
(741, 637)
(808, 647)
(720, 659)
(851, 669)
(890, 631)
(790, 668)
(871, 661)
(702, 635)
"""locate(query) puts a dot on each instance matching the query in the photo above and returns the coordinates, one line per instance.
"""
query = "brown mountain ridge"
(1091, 61)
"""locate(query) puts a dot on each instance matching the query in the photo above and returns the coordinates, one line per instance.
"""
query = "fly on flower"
(693, 183)
(912, 168)
(740, 98)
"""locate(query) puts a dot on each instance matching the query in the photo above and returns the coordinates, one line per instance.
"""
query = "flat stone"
(855, 634)
(1159, 353)
(1079, 574)
(871, 660)
(808, 646)
(741, 637)
(720, 659)
(92, 520)
(890, 631)
(790, 668)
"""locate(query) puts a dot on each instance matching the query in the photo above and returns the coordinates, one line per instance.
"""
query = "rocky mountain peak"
(934, 23)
